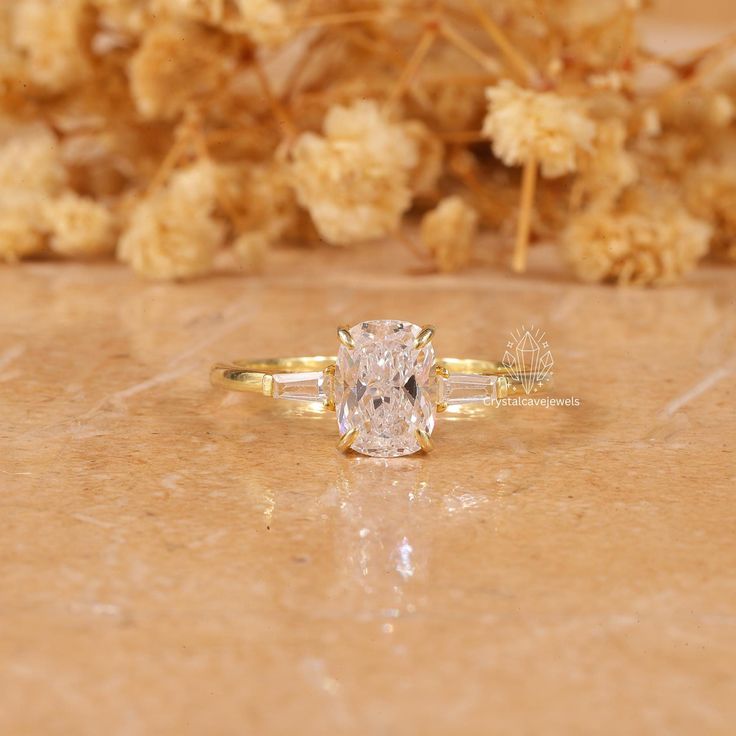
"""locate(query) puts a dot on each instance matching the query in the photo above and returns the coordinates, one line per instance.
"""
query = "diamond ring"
(386, 384)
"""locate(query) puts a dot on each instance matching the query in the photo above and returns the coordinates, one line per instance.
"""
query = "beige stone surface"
(178, 560)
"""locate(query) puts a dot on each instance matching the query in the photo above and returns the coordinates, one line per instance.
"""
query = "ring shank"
(255, 376)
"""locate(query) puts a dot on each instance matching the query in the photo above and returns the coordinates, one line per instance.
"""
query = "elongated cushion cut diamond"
(385, 388)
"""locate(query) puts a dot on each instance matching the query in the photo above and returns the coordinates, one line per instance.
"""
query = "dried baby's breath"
(448, 232)
(208, 11)
(608, 168)
(79, 226)
(21, 224)
(251, 248)
(425, 174)
(49, 34)
(354, 180)
(640, 245)
(177, 62)
(182, 128)
(265, 21)
(31, 161)
(710, 191)
(543, 126)
(173, 233)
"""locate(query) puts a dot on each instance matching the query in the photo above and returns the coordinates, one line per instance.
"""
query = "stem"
(412, 66)
(167, 165)
(528, 185)
(515, 60)
(338, 19)
(468, 48)
(293, 79)
(279, 111)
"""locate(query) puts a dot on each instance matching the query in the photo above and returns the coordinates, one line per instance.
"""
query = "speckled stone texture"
(178, 560)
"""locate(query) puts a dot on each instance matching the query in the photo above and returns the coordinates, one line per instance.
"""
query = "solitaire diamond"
(385, 388)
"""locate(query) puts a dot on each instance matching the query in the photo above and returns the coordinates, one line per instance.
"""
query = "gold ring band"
(385, 384)
(256, 376)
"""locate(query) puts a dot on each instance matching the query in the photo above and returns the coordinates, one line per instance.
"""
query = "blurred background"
(464, 132)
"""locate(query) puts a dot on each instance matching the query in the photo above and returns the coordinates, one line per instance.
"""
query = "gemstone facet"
(308, 386)
(468, 388)
(385, 387)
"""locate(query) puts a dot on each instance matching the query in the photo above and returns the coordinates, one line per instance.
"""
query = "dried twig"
(528, 186)
(516, 61)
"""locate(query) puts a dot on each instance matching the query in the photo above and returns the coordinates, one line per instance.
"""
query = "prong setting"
(442, 374)
(329, 373)
(385, 387)
(345, 338)
(347, 439)
(424, 440)
(424, 337)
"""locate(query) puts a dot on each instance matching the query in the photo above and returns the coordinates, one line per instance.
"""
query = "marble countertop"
(178, 560)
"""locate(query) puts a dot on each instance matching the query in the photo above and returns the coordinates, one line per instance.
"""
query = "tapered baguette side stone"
(468, 388)
(307, 386)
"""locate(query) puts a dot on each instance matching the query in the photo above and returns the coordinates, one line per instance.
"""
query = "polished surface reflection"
(178, 560)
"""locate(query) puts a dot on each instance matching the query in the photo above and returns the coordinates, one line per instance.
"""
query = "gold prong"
(330, 399)
(425, 441)
(347, 439)
(441, 372)
(424, 337)
(344, 336)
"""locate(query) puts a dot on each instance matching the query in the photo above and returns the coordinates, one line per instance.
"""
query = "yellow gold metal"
(260, 376)
(347, 439)
(330, 400)
(344, 336)
(424, 440)
(424, 337)
(254, 376)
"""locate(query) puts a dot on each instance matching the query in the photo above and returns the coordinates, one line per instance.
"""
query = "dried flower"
(31, 161)
(448, 232)
(21, 224)
(710, 193)
(120, 20)
(207, 11)
(79, 226)
(640, 245)
(426, 173)
(261, 199)
(355, 180)
(105, 104)
(264, 21)
(250, 249)
(30, 173)
(543, 126)
(49, 33)
(698, 108)
(176, 63)
(173, 233)
(608, 168)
